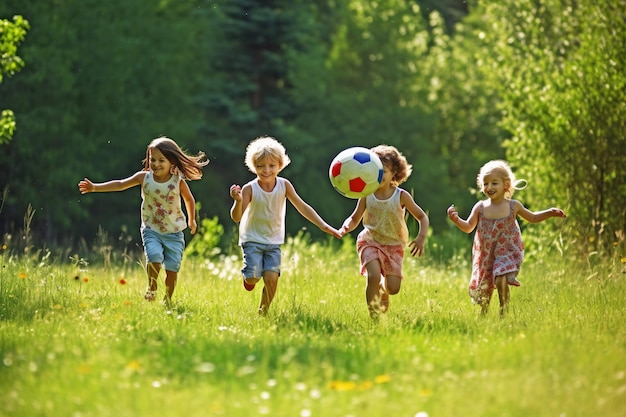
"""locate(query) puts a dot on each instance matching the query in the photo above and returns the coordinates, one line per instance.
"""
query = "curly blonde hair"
(266, 147)
(395, 161)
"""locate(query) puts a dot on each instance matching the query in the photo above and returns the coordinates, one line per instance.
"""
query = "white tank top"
(264, 218)
(383, 220)
(160, 208)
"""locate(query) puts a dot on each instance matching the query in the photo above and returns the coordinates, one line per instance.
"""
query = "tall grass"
(77, 339)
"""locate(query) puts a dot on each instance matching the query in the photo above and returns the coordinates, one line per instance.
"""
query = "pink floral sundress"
(497, 250)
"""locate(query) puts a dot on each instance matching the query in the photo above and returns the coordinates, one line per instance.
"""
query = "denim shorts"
(166, 249)
(260, 257)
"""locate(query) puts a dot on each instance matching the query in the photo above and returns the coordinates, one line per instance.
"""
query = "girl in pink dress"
(498, 250)
(384, 238)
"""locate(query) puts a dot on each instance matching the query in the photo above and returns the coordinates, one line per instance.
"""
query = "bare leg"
(152, 269)
(388, 286)
(373, 288)
(270, 279)
(171, 278)
(503, 293)
(484, 304)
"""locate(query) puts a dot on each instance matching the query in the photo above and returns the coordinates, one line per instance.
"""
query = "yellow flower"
(23, 275)
(381, 379)
(133, 365)
(83, 369)
(425, 392)
(342, 385)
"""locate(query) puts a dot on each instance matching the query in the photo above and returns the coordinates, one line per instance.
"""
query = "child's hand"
(192, 226)
(452, 213)
(345, 228)
(417, 246)
(235, 192)
(86, 186)
(557, 212)
(332, 231)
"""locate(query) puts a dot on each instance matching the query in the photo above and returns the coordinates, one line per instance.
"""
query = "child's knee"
(393, 284)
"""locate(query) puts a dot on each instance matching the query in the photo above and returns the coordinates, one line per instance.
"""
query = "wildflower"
(623, 260)
(133, 365)
(381, 379)
(425, 392)
(122, 281)
(86, 279)
(342, 385)
(23, 275)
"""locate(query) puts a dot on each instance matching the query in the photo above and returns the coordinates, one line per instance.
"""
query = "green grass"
(75, 348)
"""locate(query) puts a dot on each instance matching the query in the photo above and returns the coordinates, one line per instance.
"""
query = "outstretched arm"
(536, 216)
(353, 220)
(465, 225)
(308, 212)
(86, 186)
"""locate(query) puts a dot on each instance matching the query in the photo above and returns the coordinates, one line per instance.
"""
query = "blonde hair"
(188, 166)
(395, 161)
(502, 170)
(266, 147)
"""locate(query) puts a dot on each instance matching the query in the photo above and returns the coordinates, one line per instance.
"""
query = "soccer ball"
(356, 172)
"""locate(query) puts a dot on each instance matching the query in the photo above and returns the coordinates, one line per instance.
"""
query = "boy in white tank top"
(259, 207)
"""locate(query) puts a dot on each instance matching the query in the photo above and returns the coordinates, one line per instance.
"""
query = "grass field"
(78, 340)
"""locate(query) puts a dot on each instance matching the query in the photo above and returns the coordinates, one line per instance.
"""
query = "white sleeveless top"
(160, 208)
(383, 220)
(264, 218)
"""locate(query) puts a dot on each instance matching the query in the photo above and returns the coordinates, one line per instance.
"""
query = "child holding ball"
(259, 207)
(382, 241)
(163, 184)
(497, 250)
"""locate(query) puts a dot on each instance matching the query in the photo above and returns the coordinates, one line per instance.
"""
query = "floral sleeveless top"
(161, 210)
(497, 250)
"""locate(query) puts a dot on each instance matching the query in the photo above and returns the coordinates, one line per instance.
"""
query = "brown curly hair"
(395, 161)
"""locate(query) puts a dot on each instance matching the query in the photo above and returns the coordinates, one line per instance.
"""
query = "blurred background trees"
(451, 83)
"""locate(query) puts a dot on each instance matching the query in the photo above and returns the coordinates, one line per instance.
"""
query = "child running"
(498, 250)
(259, 208)
(382, 241)
(162, 181)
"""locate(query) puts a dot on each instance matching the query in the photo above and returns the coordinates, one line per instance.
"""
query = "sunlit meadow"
(78, 340)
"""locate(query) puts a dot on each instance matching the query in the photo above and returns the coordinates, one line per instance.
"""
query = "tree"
(560, 64)
(114, 76)
(11, 35)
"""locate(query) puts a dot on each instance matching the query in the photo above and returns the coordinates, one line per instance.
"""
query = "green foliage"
(11, 35)
(464, 104)
(205, 243)
(448, 89)
(79, 339)
(114, 76)
(561, 68)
